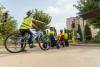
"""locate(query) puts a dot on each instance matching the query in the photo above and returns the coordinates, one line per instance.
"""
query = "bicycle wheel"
(43, 45)
(13, 43)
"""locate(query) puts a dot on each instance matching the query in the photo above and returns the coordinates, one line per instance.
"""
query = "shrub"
(87, 33)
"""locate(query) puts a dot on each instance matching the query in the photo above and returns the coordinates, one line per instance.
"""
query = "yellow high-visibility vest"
(51, 33)
(27, 24)
(65, 35)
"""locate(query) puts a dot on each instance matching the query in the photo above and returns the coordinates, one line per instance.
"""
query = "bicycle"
(13, 41)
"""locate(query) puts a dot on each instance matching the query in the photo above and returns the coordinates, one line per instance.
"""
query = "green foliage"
(95, 22)
(0, 39)
(43, 17)
(98, 33)
(69, 34)
(80, 32)
(97, 37)
(89, 5)
(74, 32)
(87, 33)
(6, 27)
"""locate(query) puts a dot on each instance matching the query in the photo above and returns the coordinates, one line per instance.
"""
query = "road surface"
(73, 56)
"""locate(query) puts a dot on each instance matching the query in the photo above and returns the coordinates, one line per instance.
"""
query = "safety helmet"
(29, 13)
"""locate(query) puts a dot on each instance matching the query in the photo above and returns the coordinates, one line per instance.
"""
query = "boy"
(66, 38)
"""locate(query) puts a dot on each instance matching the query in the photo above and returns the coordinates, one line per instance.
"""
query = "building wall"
(78, 20)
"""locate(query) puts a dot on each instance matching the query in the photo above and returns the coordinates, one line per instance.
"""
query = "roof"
(91, 14)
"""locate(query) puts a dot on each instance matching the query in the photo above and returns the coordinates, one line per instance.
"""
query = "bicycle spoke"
(13, 43)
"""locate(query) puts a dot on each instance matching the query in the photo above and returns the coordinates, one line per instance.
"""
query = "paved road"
(73, 56)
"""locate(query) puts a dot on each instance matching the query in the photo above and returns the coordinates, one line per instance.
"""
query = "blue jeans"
(23, 32)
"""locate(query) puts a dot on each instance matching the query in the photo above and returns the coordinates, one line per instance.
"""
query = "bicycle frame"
(35, 35)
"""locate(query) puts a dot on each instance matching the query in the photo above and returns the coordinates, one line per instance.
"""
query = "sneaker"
(58, 47)
(31, 45)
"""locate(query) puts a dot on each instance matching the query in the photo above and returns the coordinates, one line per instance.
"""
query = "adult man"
(26, 26)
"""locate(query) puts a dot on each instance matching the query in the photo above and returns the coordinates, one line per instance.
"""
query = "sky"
(58, 9)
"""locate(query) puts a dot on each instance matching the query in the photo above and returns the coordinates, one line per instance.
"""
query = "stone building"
(77, 20)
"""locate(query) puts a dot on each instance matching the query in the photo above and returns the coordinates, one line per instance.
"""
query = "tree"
(80, 32)
(87, 33)
(89, 5)
(43, 17)
(7, 23)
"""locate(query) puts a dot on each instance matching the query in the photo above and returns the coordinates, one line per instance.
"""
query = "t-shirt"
(78, 35)
(61, 37)
(51, 35)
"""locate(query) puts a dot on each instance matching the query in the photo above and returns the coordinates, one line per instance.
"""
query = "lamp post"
(5, 17)
(73, 33)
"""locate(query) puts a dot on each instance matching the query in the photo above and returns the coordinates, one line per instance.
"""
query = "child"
(61, 38)
(78, 37)
(52, 36)
(45, 39)
(66, 38)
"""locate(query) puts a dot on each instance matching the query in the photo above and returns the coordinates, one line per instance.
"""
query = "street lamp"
(5, 16)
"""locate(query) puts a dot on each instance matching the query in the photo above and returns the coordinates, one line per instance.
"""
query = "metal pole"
(5, 17)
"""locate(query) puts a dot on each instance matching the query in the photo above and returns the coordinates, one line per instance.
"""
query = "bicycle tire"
(6, 44)
(47, 45)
